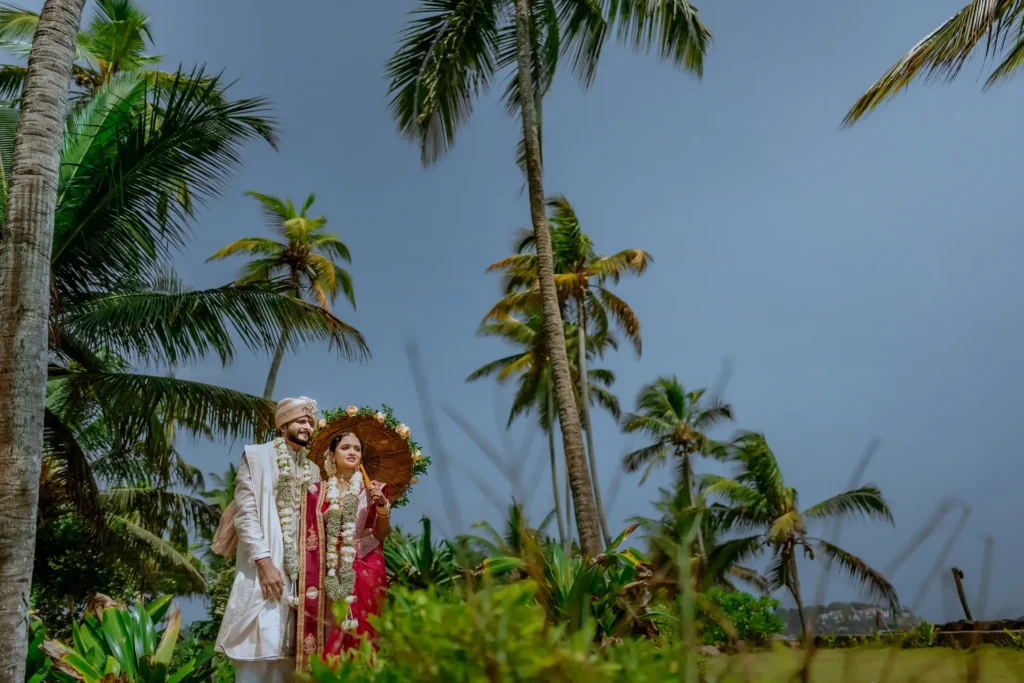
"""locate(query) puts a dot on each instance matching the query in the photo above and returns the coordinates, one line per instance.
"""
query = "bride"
(344, 521)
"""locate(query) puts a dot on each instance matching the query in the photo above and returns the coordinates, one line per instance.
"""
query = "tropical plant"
(514, 540)
(37, 664)
(419, 563)
(531, 366)
(720, 566)
(677, 421)
(450, 53)
(27, 239)
(999, 24)
(124, 644)
(607, 596)
(115, 41)
(303, 261)
(758, 499)
(581, 278)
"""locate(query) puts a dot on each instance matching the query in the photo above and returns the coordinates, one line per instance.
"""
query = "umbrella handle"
(366, 477)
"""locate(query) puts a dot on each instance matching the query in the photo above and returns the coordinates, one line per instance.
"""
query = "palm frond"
(866, 501)
(646, 424)
(943, 52)
(634, 261)
(670, 26)
(584, 32)
(69, 471)
(648, 455)
(859, 571)
(130, 400)
(115, 217)
(493, 367)
(446, 59)
(624, 316)
(176, 328)
(724, 557)
(733, 492)
(131, 540)
(606, 399)
(778, 574)
(261, 246)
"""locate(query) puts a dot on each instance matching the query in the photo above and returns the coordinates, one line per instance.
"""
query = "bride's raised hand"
(377, 496)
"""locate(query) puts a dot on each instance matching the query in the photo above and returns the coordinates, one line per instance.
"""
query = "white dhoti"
(267, 671)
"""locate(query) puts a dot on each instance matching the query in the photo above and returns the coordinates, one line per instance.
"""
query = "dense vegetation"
(123, 514)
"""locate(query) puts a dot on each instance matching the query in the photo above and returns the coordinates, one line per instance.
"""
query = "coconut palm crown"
(757, 499)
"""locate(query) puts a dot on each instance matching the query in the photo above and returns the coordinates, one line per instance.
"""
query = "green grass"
(875, 665)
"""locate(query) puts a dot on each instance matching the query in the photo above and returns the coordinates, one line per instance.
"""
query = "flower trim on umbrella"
(386, 417)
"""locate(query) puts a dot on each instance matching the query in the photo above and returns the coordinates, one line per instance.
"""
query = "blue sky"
(862, 282)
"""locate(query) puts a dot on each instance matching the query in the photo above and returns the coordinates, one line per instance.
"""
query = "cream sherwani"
(257, 634)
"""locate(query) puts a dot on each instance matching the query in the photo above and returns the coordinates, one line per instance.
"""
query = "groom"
(258, 630)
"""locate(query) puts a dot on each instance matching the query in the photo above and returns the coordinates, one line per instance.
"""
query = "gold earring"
(330, 467)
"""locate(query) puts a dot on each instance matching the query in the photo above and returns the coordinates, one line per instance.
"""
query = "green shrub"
(498, 633)
(753, 620)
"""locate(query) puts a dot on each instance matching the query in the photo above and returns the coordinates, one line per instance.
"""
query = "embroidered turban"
(291, 409)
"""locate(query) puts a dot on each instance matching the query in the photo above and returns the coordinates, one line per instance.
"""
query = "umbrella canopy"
(387, 457)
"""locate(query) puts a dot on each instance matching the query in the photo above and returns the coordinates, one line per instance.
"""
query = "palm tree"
(115, 41)
(580, 277)
(757, 499)
(303, 261)
(676, 419)
(944, 51)
(25, 309)
(450, 54)
(533, 368)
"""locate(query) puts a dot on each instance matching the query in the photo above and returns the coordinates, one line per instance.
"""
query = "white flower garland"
(289, 502)
(341, 526)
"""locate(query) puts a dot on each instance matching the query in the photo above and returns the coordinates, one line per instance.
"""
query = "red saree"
(317, 634)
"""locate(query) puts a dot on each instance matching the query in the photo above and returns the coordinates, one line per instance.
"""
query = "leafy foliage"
(452, 50)
(676, 420)
(125, 644)
(607, 595)
(993, 27)
(499, 633)
(419, 563)
(753, 620)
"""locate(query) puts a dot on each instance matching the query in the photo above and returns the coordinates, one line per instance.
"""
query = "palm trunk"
(794, 588)
(585, 411)
(691, 494)
(275, 366)
(568, 512)
(569, 419)
(554, 466)
(25, 309)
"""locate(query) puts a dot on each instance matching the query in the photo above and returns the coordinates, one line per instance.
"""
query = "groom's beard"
(299, 438)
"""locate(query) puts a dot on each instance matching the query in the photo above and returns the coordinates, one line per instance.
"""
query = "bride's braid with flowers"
(343, 508)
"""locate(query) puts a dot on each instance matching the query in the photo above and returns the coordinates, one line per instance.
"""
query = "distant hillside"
(847, 617)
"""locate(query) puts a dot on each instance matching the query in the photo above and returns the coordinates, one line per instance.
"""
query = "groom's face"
(300, 431)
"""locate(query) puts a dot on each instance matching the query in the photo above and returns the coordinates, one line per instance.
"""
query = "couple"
(306, 541)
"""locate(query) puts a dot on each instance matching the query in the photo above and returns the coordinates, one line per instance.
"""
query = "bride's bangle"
(384, 511)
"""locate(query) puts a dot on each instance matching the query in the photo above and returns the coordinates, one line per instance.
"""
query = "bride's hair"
(336, 440)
